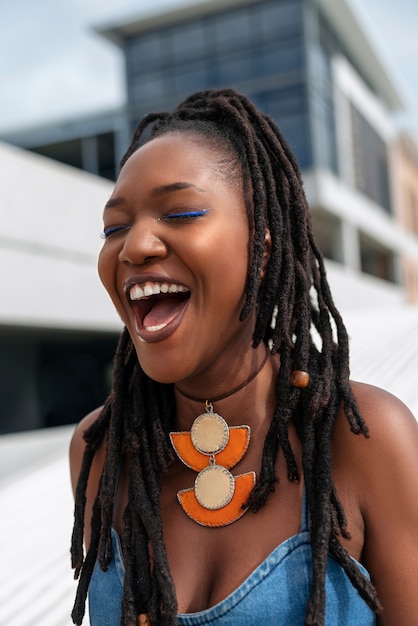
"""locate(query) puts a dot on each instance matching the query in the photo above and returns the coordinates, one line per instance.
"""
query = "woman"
(235, 475)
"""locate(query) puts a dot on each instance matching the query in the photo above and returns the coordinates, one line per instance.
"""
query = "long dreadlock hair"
(293, 302)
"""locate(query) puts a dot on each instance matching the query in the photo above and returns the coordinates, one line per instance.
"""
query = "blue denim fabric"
(276, 593)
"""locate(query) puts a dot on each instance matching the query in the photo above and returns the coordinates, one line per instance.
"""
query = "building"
(93, 143)
(58, 328)
(405, 161)
(307, 63)
(312, 67)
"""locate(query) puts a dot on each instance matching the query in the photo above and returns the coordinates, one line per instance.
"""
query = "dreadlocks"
(293, 301)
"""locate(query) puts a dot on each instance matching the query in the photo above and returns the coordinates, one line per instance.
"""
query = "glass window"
(143, 52)
(281, 18)
(287, 107)
(283, 101)
(149, 87)
(323, 113)
(188, 41)
(191, 77)
(281, 57)
(69, 152)
(371, 171)
(295, 129)
(327, 233)
(323, 121)
(234, 29)
(236, 67)
(376, 259)
(106, 155)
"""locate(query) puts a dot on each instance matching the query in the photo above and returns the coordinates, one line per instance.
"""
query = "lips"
(158, 307)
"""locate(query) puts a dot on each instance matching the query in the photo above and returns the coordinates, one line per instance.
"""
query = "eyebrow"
(179, 186)
(113, 203)
(157, 191)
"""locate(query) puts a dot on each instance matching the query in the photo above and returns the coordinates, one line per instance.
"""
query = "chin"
(165, 378)
(167, 374)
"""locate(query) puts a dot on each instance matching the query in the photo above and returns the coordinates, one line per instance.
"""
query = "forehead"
(179, 156)
(176, 168)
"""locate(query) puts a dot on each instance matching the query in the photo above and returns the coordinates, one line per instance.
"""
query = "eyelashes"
(112, 230)
(181, 216)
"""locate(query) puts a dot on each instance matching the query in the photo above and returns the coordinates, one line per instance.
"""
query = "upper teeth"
(137, 292)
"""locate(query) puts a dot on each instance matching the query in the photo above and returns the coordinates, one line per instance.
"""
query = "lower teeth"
(152, 329)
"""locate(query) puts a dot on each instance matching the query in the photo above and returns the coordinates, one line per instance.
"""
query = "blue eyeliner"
(185, 215)
(171, 216)
(114, 229)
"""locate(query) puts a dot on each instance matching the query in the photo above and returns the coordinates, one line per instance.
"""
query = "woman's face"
(175, 258)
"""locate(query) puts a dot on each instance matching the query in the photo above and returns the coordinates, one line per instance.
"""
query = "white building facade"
(57, 326)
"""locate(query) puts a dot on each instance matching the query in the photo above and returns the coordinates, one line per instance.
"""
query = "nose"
(142, 243)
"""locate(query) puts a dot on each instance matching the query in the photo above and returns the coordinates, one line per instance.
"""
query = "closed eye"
(184, 215)
(113, 230)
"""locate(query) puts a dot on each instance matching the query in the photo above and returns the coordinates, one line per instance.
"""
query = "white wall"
(50, 216)
(358, 292)
(326, 191)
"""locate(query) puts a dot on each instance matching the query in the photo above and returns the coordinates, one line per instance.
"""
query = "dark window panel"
(371, 169)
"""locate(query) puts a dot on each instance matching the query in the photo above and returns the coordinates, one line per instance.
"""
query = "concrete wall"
(49, 240)
(58, 327)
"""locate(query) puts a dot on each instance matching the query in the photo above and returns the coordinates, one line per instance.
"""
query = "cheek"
(106, 269)
(223, 260)
(231, 253)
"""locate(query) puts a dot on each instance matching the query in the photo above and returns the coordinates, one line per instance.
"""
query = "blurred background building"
(57, 326)
(310, 64)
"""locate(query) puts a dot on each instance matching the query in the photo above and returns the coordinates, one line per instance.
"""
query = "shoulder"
(387, 461)
(78, 444)
(390, 453)
(393, 430)
(381, 473)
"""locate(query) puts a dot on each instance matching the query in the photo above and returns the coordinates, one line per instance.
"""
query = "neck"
(211, 399)
(243, 395)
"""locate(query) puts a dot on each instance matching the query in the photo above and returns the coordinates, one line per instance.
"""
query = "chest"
(208, 564)
(275, 593)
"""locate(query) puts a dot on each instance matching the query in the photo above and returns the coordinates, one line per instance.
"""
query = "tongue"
(163, 312)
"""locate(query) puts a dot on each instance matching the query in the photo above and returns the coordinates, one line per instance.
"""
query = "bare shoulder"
(393, 430)
(381, 473)
(388, 456)
(78, 444)
(378, 404)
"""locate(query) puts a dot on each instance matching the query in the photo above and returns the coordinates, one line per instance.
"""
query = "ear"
(266, 253)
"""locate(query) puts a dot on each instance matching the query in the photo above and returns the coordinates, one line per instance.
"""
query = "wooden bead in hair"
(299, 378)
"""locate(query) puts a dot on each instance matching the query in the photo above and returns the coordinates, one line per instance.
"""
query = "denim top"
(276, 593)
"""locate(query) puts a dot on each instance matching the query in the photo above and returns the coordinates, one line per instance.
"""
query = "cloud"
(53, 64)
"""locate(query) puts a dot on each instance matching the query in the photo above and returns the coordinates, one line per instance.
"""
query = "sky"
(54, 66)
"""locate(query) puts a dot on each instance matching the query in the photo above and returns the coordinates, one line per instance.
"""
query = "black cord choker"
(228, 393)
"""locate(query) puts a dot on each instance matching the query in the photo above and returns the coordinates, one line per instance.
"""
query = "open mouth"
(157, 305)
